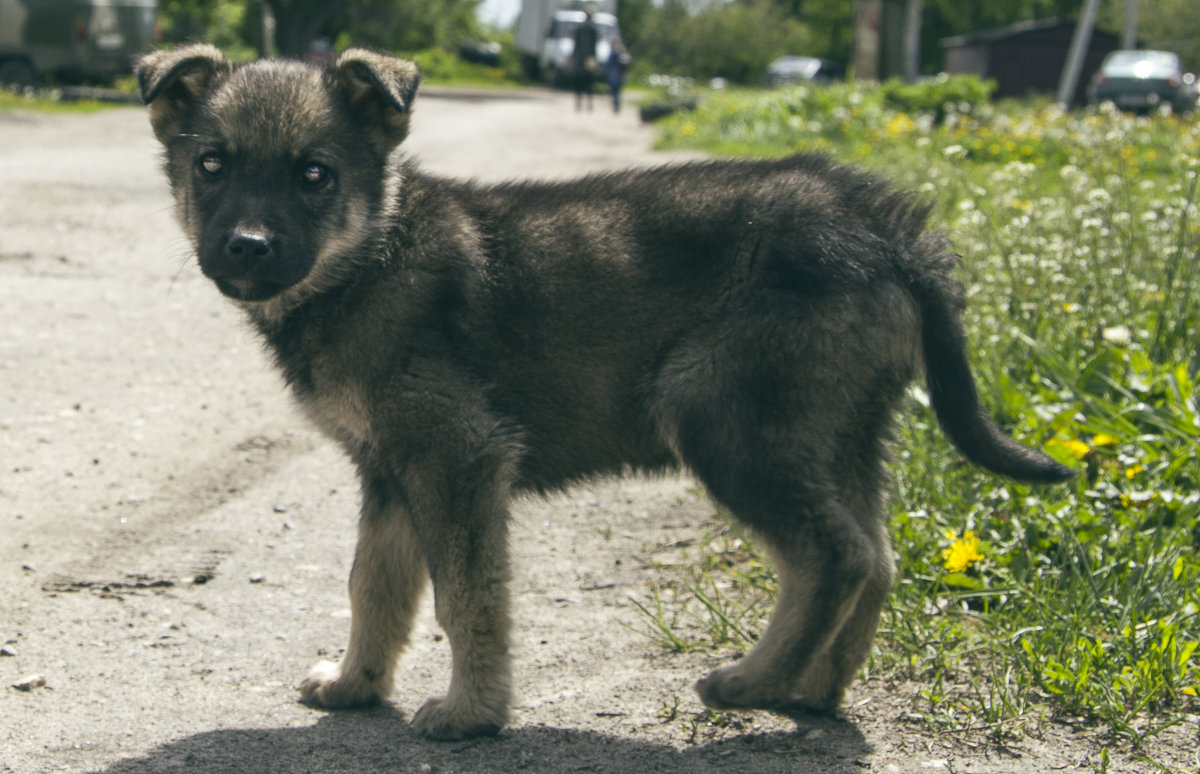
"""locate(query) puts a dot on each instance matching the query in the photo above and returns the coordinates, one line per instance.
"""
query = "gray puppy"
(754, 322)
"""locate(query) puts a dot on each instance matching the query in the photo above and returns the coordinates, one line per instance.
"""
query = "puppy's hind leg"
(823, 570)
(778, 476)
(385, 590)
(810, 487)
(823, 684)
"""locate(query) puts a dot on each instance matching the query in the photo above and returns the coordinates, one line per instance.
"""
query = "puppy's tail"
(951, 385)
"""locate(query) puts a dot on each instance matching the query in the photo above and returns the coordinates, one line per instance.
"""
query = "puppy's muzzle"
(254, 265)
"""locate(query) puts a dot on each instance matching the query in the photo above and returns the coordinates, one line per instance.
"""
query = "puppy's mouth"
(249, 289)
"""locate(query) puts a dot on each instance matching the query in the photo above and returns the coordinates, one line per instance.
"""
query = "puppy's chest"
(335, 399)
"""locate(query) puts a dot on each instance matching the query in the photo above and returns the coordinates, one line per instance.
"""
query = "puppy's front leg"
(385, 590)
(466, 545)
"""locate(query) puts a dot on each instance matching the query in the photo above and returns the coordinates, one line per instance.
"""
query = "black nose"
(246, 250)
(249, 246)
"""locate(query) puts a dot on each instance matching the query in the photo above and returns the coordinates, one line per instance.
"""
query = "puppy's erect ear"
(380, 87)
(172, 82)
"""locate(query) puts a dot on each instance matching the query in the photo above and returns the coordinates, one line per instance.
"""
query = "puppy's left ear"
(382, 88)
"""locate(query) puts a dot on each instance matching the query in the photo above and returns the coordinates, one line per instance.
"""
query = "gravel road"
(175, 540)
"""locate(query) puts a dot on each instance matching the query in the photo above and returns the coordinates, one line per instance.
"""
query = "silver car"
(1142, 81)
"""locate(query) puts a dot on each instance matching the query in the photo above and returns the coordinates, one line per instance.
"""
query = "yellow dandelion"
(1076, 447)
(1103, 439)
(1130, 472)
(900, 124)
(962, 553)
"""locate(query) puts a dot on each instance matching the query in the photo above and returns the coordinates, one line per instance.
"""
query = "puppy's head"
(279, 169)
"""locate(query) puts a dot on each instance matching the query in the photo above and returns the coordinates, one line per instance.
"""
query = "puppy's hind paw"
(440, 720)
(327, 687)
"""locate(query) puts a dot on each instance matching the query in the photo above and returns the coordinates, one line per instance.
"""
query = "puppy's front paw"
(721, 692)
(441, 720)
(327, 687)
(728, 688)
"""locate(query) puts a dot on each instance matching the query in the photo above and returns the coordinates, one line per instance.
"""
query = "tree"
(299, 22)
(411, 25)
(957, 17)
(735, 41)
(1169, 25)
(221, 23)
(636, 16)
(947, 18)
(393, 25)
(831, 23)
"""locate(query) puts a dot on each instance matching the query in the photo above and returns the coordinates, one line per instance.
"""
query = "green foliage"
(440, 66)
(720, 600)
(1079, 233)
(735, 41)
(222, 23)
(408, 25)
(824, 116)
(939, 96)
(394, 25)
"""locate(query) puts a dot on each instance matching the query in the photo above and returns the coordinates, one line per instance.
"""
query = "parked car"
(800, 69)
(73, 40)
(1143, 80)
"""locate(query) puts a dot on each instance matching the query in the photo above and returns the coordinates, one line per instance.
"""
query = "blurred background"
(738, 42)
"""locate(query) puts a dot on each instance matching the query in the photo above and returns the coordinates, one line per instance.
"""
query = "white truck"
(545, 35)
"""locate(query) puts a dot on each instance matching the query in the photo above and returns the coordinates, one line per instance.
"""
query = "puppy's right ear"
(173, 82)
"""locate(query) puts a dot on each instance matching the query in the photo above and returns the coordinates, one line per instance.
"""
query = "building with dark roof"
(1027, 57)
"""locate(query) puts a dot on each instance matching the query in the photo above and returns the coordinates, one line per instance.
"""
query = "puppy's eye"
(315, 174)
(211, 164)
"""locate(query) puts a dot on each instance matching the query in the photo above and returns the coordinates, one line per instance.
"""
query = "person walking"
(614, 71)
(583, 58)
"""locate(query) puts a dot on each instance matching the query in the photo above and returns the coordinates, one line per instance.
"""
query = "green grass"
(49, 102)
(723, 599)
(1080, 237)
(51, 99)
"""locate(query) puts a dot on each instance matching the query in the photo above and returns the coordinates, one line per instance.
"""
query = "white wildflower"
(1117, 335)
(955, 152)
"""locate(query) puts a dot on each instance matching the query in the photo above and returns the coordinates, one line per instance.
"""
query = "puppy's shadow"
(381, 740)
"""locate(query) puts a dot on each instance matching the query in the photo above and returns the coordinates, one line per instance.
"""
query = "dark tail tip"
(986, 445)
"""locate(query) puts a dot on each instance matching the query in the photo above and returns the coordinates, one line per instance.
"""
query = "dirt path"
(175, 540)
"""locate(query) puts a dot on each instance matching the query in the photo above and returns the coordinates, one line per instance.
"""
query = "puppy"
(756, 323)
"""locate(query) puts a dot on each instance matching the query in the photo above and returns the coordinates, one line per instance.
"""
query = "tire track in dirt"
(147, 550)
